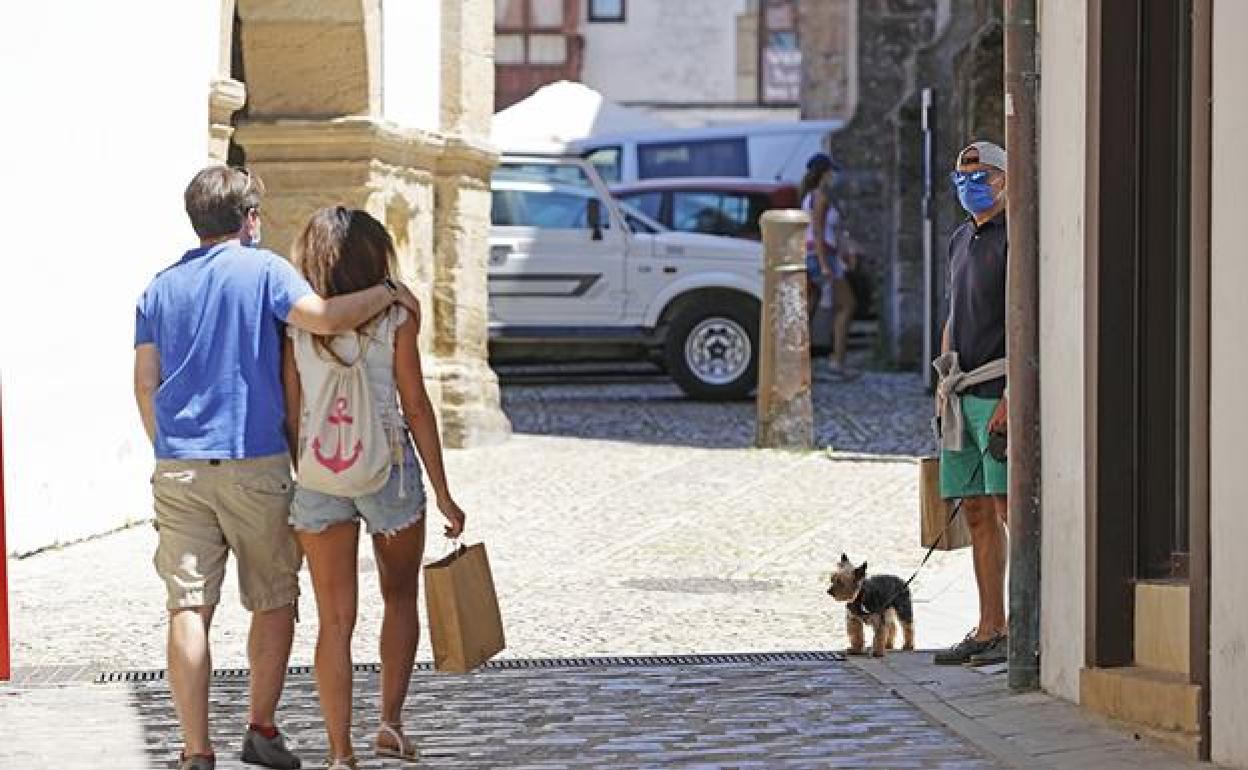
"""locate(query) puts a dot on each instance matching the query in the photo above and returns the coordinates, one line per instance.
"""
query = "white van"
(774, 151)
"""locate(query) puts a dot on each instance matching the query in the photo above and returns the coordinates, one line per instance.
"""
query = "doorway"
(1147, 303)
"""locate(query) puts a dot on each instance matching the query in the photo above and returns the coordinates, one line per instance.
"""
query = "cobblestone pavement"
(776, 716)
(620, 519)
(880, 413)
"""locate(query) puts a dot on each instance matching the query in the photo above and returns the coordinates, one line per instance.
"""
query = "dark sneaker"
(998, 651)
(269, 752)
(197, 762)
(963, 651)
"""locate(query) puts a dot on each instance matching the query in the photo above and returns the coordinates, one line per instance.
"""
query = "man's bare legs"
(990, 550)
(268, 651)
(190, 665)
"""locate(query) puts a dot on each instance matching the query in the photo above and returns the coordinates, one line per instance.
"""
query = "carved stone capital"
(225, 97)
(466, 157)
(341, 139)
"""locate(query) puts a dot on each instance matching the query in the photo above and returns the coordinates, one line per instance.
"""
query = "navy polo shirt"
(977, 260)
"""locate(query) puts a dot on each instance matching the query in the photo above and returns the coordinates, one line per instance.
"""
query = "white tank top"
(830, 223)
(378, 364)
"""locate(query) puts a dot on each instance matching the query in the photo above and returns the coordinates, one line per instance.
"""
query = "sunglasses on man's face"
(961, 178)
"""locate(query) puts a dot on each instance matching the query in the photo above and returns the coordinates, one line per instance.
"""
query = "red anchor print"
(337, 462)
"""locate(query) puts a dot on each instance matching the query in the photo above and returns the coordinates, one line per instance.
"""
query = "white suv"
(569, 264)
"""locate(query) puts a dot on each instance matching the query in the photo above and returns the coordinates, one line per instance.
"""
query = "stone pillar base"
(468, 398)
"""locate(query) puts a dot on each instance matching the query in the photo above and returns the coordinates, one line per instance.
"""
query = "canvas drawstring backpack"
(346, 450)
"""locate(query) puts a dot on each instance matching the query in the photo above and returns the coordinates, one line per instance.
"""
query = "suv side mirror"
(593, 213)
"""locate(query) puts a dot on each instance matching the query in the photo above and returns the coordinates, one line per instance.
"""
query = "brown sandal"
(405, 750)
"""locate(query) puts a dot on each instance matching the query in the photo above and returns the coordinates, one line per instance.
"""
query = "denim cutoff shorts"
(816, 275)
(384, 512)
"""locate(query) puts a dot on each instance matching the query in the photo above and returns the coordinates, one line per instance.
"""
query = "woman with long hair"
(340, 251)
(826, 262)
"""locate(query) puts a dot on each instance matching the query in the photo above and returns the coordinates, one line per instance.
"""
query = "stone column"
(471, 409)
(225, 97)
(433, 196)
(785, 415)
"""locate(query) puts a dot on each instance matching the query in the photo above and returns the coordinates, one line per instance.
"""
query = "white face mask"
(252, 240)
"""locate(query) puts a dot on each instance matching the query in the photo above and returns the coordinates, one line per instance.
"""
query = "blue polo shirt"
(216, 319)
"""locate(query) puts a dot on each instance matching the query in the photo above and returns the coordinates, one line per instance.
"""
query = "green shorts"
(960, 472)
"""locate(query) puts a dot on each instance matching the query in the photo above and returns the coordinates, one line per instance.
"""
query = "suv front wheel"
(712, 348)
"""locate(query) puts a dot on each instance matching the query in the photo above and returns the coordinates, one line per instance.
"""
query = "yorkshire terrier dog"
(879, 601)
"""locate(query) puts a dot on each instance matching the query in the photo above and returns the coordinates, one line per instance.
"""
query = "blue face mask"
(974, 192)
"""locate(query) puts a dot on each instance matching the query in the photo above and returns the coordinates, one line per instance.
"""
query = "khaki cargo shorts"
(207, 508)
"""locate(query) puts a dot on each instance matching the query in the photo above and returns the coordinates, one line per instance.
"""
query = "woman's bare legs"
(842, 314)
(398, 568)
(332, 562)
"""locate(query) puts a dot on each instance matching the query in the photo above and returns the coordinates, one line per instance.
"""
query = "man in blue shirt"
(209, 390)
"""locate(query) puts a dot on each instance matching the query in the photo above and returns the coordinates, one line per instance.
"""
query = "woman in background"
(826, 262)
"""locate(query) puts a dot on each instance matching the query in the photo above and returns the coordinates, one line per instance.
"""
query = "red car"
(727, 206)
(714, 205)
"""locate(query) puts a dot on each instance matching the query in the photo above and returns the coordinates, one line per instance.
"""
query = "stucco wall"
(1229, 373)
(101, 134)
(665, 51)
(1063, 111)
(411, 64)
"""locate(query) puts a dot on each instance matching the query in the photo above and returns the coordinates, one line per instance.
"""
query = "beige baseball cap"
(989, 154)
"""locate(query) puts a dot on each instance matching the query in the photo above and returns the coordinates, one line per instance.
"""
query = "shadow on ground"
(879, 413)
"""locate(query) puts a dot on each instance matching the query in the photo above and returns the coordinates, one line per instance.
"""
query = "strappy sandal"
(343, 763)
(405, 750)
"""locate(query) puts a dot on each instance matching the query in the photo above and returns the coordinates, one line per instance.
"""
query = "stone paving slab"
(792, 715)
(1029, 731)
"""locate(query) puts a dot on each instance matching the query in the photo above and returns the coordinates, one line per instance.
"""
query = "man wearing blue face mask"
(971, 396)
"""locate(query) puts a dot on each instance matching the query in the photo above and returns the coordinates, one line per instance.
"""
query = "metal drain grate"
(631, 661)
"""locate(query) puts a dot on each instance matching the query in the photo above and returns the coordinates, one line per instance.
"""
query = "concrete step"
(1162, 704)
(1163, 626)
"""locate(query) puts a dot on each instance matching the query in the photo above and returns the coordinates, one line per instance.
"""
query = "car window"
(547, 173)
(638, 222)
(648, 203)
(547, 209)
(703, 157)
(638, 225)
(713, 213)
(759, 203)
(607, 161)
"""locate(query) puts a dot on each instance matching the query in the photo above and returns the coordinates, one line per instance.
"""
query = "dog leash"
(953, 514)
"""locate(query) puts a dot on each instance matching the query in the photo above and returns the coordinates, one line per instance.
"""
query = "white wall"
(106, 115)
(1229, 382)
(411, 63)
(1063, 110)
(666, 51)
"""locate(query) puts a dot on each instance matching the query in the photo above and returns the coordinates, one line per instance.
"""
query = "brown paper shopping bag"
(465, 626)
(934, 511)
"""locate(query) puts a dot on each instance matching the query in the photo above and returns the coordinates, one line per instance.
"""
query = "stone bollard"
(785, 416)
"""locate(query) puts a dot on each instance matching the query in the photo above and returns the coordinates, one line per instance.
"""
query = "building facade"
(329, 102)
(692, 63)
(1143, 274)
